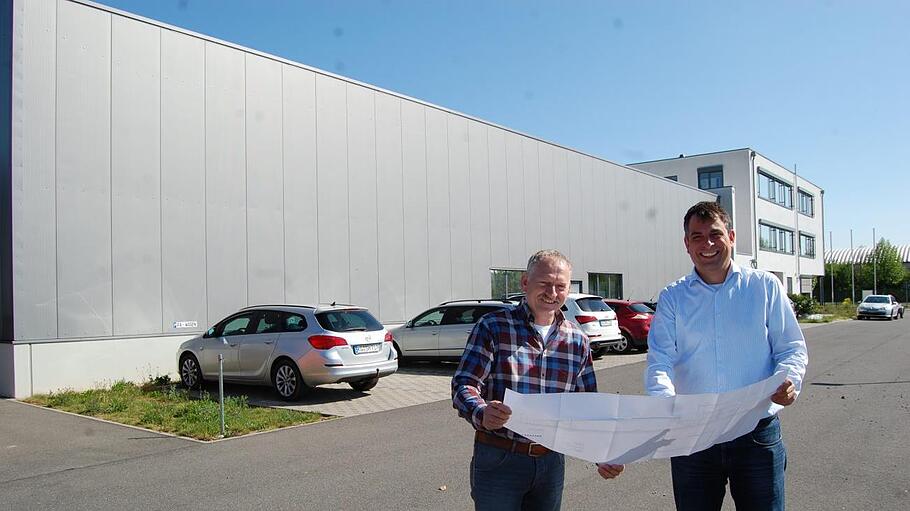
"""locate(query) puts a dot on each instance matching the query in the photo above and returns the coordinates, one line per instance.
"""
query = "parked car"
(634, 323)
(879, 306)
(596, 319)
(292, 348)
(441, 333)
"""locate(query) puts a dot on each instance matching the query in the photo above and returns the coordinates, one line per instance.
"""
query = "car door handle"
(233, 344)
(267, 342)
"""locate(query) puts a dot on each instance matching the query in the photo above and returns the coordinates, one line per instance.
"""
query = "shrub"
(803, 305)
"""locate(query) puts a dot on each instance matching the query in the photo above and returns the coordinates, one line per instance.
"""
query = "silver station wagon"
(292, 348)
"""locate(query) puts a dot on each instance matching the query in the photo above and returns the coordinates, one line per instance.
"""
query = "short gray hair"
(548, 254)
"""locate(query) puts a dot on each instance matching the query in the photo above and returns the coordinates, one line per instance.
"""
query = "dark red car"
(634, 323)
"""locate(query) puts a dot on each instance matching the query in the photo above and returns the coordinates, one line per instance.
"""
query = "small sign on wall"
(186, 324)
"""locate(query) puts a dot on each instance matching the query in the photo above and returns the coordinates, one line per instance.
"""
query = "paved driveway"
(412, 384)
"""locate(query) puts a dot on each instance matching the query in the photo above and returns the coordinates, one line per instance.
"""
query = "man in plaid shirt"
(530, 349)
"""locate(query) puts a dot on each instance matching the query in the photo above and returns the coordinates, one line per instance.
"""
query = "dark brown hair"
(707, 210)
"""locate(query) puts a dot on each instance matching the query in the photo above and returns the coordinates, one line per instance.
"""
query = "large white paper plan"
(618, 429)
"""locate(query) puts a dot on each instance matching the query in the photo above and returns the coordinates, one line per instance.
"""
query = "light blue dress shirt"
(715, 338)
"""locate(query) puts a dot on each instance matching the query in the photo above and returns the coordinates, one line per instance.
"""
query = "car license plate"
(360, 349)
(605, 322)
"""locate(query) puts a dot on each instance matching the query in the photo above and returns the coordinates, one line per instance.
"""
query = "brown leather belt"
(526, 448)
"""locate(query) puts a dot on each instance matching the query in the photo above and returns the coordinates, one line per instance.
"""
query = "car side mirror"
(409, 324)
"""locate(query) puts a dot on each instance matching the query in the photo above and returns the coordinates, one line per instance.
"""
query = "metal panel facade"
(459, 207)
(225, 180)
(183, 142)
(414, 204)
(479, 208)
(390, 208)
(363, 240)
(34, 212)
(135, 176)
(300, 188)
(83, 152)
(332, 182)
(177, 179)
(265, 181)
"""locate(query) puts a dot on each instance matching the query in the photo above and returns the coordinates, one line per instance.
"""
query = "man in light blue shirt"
(720, 328)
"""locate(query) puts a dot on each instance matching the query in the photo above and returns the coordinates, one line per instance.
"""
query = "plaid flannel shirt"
(505, 351)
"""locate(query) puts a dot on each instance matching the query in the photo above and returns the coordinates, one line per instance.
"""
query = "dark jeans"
(503, 481)
(753, 463)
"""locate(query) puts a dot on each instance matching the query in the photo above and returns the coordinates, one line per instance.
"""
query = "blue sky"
(820, 85)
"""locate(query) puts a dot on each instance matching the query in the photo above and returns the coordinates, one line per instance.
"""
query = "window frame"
(803, 194)
(777, 236)
(779, 192)
(709, 171)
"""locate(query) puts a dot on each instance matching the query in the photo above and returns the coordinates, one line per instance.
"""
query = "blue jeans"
(753, 463)
(503, 481)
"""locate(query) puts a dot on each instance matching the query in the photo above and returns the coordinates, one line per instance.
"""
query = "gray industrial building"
(155, 180)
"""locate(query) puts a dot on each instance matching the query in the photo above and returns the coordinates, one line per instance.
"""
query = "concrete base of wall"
(39, 368)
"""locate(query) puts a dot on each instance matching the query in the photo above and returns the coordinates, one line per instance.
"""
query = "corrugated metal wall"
(162, 177)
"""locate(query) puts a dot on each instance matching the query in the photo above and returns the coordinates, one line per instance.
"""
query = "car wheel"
(624, 346)
(364, 385)
(401, 360)
(599, 352)
(190, 374)
(287, 380)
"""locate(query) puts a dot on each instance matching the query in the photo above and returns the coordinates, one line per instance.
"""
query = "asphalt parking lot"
(412, 384)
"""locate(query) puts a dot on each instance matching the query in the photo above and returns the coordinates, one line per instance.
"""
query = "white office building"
(778, 215)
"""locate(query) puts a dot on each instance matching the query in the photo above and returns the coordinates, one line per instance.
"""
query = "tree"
(888, 270)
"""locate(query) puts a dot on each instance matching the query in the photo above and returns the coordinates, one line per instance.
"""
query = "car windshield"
(356, 320)
(877, 299)
(593, 304)
(640, 307)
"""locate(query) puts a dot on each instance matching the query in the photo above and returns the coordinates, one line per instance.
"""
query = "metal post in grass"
(221, 389)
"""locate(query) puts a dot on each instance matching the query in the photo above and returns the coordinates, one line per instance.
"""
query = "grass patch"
(163, 406)
(832, 312)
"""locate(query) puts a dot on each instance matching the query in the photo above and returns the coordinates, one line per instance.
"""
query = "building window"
(775, 239)
(775, 190)
(673, 178)
(711, 177)
(607, 285)
(806, 245)
(505, 282)
(806, 203)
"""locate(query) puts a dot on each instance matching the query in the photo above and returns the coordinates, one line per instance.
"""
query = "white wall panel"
(414, 164)
(83, 171)
(332, 179)
(562, 199)
(390, 209)
(499, 198)
(34, 182)
(362, 197)
(460, 207)
(438, 222)
(572, 223)
(608, 196)
(265, 181)
(586, 192)
(549, 217)
(532, 193)
(225, 181)
(480, 205)
(599, 228)
(624, 217)
(515, 199)
(183, 142)
(300, 191)
(136, 176)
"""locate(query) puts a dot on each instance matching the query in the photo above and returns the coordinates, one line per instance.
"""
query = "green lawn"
(166, 407)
